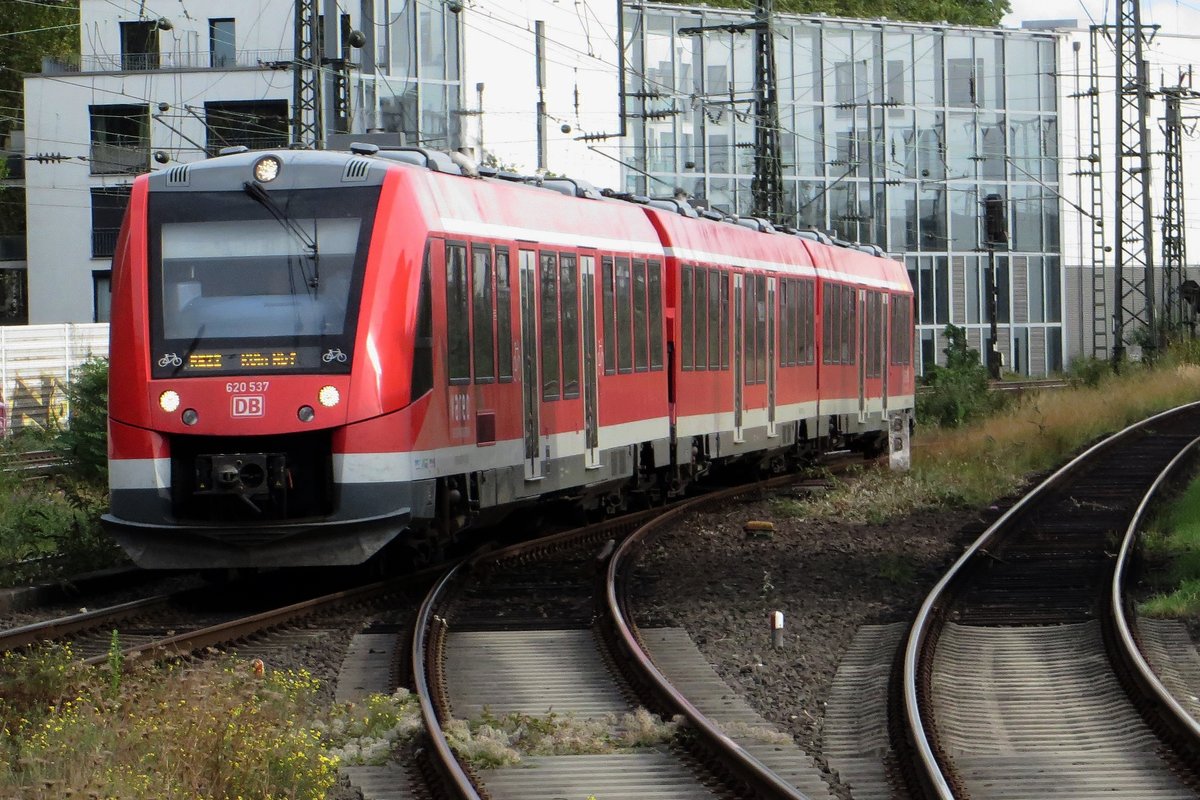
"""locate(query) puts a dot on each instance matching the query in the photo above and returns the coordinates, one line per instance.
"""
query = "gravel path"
(827, 577)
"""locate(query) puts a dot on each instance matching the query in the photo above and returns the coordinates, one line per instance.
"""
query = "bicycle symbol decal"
(170, 360)
(334, 354)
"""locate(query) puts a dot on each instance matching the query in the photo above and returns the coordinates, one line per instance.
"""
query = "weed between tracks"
(219, 729)
(1172, 546)
(500, 741)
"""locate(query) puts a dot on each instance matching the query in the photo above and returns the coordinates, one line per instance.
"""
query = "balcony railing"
(104, 242)
(134, 62)
(12, 247)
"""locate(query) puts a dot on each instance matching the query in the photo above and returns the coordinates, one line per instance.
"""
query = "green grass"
(1172, 544)
(216, 729)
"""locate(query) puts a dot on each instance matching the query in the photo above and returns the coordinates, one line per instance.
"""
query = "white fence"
(36, 362)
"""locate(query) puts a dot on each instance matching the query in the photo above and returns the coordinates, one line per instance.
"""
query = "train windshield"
(247, 283)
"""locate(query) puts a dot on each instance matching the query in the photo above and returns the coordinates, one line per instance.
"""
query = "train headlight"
(168, 401)
(190, 416)
(266, 169)
(329, 396)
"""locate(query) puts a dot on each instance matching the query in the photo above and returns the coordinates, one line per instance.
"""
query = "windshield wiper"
(259, 194)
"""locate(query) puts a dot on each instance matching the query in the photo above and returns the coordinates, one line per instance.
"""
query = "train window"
(874, 344)
(831, 325)
(686, 325)
(901, 329)
(808, 343)
(724, 321)
(760, 328)
(788, 331)
(700, 287)
(422, 370)
(641, 362)
(749, 358)
(849, 324)
(654, 279)
(624, 324)
(714, 319)
(481, 314)
(569, 297)
(549, 280)
(458, 308)
(607, 303)
(503, 315)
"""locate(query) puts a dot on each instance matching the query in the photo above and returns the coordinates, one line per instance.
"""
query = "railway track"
(188, 621)
(539, 630)
(1022, 675)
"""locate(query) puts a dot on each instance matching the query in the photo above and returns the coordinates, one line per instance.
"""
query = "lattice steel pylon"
(1174, 241)
(307, 124)
(1100, 320)
(766, 188)
(1133, 301)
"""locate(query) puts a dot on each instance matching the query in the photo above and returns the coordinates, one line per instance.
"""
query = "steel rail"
(1168, 710)
(453, 776)
(746, 767)
(50, 630)
(931, 773)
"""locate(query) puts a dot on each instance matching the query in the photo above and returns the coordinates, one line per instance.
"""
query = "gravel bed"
(828, 577)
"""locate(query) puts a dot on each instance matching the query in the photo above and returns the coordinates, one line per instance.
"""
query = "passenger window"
(549, 281)
(457, 308)
(724, 321)
(829, 324)
(503, 315)
(640, 361)
(760, 329)
(714, 319)
(481, 313)
(422, 370)
(686, 357)
(901, 329)
(750, 359)
(569, 296)
(608, 308)
(654, 276)
(624, 327)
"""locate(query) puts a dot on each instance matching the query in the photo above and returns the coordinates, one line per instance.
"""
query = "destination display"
(233, 361)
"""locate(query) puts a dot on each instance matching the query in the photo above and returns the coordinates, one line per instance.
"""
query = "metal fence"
(36, 363)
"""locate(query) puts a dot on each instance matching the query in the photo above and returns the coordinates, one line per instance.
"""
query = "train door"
(530, 382)
(739, 358)
(864, 344)
(590, 376)
(771, 357)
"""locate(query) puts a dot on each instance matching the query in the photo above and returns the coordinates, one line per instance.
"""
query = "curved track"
(541, 628)
(1016, 680)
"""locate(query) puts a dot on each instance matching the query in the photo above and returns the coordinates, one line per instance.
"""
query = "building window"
(108, 209)
(101, 295)
(221, 43)
(139, 45)
(420, 97)
(14, 303)
(120, 139)
(257, 124)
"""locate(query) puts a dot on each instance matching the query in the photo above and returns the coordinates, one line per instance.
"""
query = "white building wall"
(1169, 55)
(582, 88)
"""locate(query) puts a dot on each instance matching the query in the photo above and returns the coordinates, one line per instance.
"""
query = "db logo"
(248, 405)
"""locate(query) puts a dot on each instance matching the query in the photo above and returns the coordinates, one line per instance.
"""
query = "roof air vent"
(178, 176)
(356, 170)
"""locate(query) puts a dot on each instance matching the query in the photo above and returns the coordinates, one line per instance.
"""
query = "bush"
(958, 392)
(83, 443)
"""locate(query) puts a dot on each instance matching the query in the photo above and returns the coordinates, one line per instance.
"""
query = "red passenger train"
(316, 354)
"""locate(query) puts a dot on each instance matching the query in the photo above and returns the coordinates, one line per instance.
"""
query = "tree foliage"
(957, 12)
(958, 392)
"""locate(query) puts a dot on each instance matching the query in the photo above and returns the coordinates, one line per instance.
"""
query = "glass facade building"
(891, 134)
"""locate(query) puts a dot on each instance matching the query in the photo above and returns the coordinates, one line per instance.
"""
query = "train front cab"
(239, 362)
